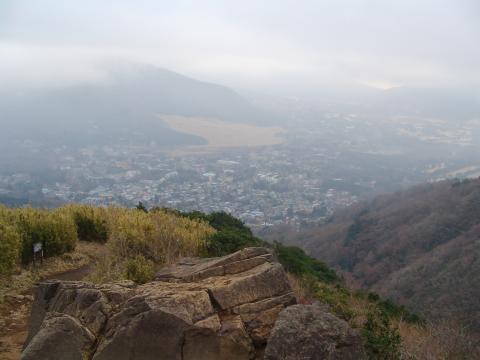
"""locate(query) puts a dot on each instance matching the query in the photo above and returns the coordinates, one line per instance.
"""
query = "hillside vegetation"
(135, 242)
(131, 236)
(418, 247)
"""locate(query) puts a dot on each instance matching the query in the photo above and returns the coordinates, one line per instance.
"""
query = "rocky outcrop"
(236, 307)
(309, 332)
(222, 308)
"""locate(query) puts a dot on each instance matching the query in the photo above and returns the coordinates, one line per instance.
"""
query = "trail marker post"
(37, 251)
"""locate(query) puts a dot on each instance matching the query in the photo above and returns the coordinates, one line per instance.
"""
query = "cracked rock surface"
(222, 308)
(236, 307)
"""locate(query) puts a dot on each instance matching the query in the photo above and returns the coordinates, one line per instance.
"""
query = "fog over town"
(240, 180)
(279, 112)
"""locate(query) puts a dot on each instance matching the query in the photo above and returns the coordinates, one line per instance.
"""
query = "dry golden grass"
(438, 341)
(301, 293)
(158, 236)
(360, 309)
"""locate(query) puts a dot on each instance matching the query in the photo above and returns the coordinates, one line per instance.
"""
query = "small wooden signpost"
(37, 251)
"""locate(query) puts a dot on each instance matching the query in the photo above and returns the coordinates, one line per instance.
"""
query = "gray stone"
(60, 337)
(308, 332)
(230, 343)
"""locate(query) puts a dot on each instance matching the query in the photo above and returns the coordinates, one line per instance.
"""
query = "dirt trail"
(17, 315)
(72, 275)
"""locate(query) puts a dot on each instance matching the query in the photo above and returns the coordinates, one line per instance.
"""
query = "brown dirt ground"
(17, 294)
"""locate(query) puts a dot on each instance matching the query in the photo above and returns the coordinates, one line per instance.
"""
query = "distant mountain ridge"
(420, 247)
(124, 109)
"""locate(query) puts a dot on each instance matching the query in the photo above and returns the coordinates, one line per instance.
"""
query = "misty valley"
(113, 144)
(253, 180)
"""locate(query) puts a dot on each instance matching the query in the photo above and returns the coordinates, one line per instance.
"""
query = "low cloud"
(255, 45)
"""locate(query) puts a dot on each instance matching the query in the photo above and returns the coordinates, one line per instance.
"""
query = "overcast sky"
(259, 45)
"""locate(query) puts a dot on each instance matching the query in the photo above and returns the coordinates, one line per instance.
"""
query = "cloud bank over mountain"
(282, 47)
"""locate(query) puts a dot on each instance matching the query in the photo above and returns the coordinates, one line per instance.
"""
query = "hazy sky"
(259, 45)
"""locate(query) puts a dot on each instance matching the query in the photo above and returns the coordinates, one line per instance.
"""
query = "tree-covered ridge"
(419, 247)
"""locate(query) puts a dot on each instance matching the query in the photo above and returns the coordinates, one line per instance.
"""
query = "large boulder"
(60, 337)
(222, 308)
(309, 332)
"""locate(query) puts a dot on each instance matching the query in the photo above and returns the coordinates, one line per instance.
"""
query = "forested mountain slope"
(420, 247)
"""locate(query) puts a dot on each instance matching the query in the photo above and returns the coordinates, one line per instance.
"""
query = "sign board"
(37, 247)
